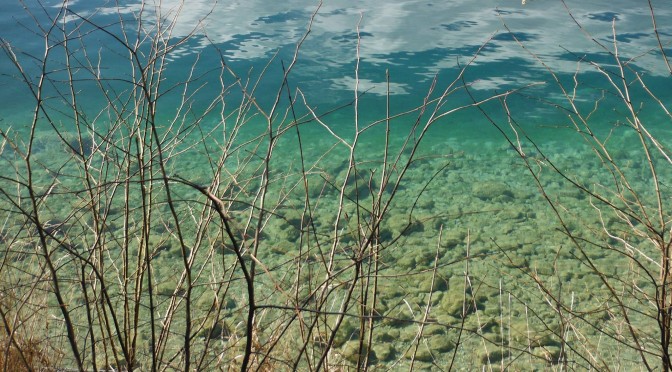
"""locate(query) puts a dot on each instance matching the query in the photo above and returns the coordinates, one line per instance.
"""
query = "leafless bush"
(215, 238)
(620, 235)
(155, 223)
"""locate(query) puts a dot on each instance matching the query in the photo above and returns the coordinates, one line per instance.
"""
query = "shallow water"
(471, 190)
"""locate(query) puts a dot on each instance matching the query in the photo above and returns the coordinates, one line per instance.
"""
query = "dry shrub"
(20, 354)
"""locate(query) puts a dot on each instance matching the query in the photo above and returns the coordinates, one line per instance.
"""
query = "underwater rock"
(161, 247)
(205, 303)
(359, 184)
(426, 204)
(406, 262)
(453, 237)
(551, 354)
(440, 284)
(83, 148)
(384, 351)
(166, 288)
(493, 356)
(543, 339)
(454, 299)
(350, 352)
(217, 330)
(441, 343)
(229, 303)
(423, 354)
(513, 213)
(404, 226)
(434, 329)
(347, 332)
(399, 317)
(490, 190)
(482, 323)
(289, 233)
(389, 335)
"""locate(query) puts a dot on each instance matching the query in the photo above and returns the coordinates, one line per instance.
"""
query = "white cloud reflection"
(369, 86)
(396, 29)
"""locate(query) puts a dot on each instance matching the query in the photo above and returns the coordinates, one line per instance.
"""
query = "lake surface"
(414, 41)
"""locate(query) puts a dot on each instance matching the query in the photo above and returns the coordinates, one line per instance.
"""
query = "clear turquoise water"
(485, 192)
(413, 40)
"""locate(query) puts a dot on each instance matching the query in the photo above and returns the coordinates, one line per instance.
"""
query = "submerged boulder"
(491, 190)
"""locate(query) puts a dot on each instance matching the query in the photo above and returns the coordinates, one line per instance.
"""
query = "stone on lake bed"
(422, 354)
(441, 343)
(383, 351)
(350, 351)
(490, 190)
(390, 334)
(552, 354)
